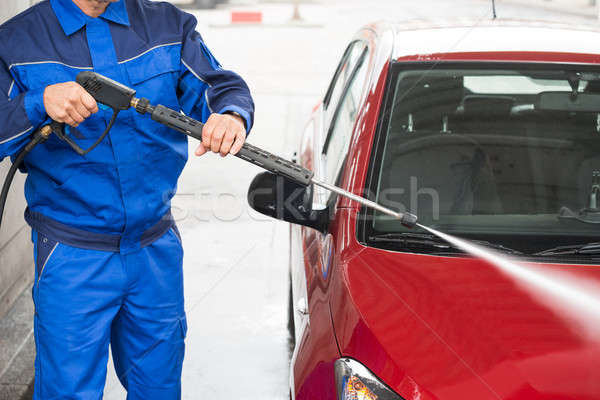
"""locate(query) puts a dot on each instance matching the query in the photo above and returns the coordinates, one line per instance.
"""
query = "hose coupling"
(140, 105)
(46, 131)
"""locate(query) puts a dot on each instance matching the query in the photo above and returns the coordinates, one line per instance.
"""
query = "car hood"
(458, 328)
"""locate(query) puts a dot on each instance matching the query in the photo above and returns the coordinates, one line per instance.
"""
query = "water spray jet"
(570, 296)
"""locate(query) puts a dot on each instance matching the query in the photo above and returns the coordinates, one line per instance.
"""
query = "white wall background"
(13, 7)
(16, 260)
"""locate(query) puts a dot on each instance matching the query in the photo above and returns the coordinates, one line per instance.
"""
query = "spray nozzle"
(409, 220)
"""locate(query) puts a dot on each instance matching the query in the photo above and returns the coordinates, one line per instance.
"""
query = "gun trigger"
(104, 107)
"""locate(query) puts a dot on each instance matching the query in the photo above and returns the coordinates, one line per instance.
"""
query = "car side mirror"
(281, 198)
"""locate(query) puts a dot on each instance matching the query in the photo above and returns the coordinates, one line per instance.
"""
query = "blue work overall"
(108, 256)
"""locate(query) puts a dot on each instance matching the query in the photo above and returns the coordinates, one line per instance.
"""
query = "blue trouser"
(86, 299)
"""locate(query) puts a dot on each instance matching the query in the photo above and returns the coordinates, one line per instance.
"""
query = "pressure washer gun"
(119, 97)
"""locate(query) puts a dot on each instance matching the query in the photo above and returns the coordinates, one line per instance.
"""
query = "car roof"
(423, 38)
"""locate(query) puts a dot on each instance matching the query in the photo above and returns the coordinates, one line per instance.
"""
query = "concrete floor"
(236, 261)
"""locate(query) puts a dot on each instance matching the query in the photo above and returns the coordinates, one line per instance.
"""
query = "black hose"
(101, 138)
(37, 138)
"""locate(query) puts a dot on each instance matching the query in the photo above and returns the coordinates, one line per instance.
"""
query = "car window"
(340, 79)
(340, 132)
(504, 153)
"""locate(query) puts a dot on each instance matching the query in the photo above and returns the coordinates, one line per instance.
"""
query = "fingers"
(68, 102)
(70, 121)
(239, 142)
(82, 110)
(89, 102)
(74, 114)
(213, 133)
(80, 104)
(217, 137)
(227, 142)
(220, 133)
(207, 131)
(234, 142)
(200, 150)
(223, 134)
(68, 115)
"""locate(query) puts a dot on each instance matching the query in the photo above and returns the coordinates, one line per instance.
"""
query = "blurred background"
(236, 262)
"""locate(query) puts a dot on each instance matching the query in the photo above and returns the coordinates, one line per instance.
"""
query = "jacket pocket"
(155, 74)
(45, 248)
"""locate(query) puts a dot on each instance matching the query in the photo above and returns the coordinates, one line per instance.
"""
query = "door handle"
(301, 306)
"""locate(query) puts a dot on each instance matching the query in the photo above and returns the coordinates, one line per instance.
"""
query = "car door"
(325, 145)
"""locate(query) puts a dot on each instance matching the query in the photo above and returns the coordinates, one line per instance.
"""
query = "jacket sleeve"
(205, 87)
(21, 112)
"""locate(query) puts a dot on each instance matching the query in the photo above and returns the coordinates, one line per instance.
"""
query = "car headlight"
(355, 382)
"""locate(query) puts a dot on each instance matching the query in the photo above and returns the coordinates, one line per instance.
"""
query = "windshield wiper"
(581, 249)
(585, 215)
(412, 240)
(496, 246)
(423, 239)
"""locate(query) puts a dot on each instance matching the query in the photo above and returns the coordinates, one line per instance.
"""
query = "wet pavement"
(236, 267)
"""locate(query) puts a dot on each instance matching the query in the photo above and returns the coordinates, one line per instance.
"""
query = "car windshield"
(504, 153)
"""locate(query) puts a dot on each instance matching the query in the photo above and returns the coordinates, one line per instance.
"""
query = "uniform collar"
(72, 19)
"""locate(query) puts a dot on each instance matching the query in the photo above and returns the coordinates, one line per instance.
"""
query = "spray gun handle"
(248, 152)
(105, 90)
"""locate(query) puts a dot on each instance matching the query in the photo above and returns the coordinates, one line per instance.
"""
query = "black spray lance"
(117, 96)
(120, 97)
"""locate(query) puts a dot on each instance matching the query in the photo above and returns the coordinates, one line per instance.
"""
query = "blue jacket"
(121, 190)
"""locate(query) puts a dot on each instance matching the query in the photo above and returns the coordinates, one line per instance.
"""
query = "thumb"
(200, 150)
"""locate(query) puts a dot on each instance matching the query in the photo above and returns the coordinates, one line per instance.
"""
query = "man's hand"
(222, 133)
(69, 103)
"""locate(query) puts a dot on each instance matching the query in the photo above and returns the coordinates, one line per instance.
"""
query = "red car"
(490, 132)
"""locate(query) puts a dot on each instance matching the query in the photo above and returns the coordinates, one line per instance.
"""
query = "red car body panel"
(459, 328)
(430, 327)
(318, 349)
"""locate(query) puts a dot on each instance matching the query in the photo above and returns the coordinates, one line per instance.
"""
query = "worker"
(107, 253)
